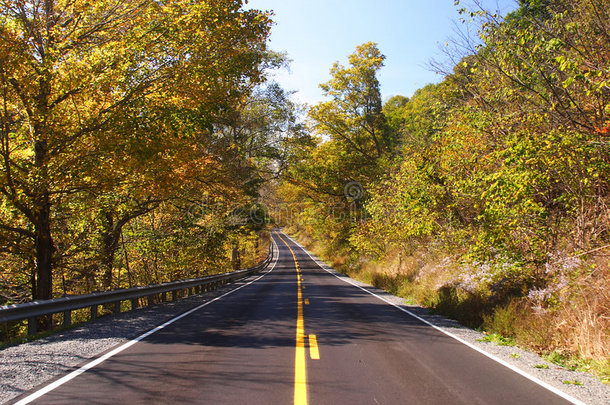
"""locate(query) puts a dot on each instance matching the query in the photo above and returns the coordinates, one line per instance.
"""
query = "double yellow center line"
(300, 370)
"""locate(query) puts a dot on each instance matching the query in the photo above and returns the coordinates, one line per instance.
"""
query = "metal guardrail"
(35, 309)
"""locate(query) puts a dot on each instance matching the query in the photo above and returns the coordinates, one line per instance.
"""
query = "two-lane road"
(297, 334)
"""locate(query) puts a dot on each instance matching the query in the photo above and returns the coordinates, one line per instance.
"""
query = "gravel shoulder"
(31, 364)
(592, 391)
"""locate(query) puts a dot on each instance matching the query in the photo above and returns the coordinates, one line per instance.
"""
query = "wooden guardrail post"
(67, 318)
(93, 309)
(32, 326)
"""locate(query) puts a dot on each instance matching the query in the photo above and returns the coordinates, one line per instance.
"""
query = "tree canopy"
(111, 111)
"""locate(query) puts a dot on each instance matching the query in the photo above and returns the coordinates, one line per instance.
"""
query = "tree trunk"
(33, 288)
(44, 255)
(126, 261)
(110, 243)
(112, 234)
(235, 256)
(109, 249)
(44, 250)
(42, 201)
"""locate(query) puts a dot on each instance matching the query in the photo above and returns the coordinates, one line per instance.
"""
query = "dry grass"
(583, 325)
(575, 333)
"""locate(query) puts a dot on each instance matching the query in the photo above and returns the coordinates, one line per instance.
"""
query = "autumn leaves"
(110, 117)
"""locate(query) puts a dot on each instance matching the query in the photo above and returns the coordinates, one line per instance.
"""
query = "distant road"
(298, 334)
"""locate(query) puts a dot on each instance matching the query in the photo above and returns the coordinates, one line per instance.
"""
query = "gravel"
(592, 391)
(28, 365)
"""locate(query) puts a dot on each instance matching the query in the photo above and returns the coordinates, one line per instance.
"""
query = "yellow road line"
(314, 353)
(300, 367)
(300, 370)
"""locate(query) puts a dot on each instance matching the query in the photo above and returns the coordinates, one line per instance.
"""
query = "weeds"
(40, 335)
(572, 382)
(497, 339)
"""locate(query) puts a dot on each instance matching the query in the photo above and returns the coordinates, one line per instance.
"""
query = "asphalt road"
(299, 334)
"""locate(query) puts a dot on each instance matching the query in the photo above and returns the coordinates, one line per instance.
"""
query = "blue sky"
(316, 33)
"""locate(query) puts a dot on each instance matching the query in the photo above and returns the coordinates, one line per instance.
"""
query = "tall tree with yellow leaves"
(71, 70)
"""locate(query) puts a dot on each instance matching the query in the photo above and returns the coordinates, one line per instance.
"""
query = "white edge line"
(517, 370)
(48, 388)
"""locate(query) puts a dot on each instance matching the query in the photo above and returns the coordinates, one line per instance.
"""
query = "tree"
(351, 139)
(70, 72)
(354, 117)
(542, 79)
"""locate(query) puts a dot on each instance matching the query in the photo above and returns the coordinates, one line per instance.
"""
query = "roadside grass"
(497, 339)
(572, 334)
(564, 361)
(15, 341)
(572, 382)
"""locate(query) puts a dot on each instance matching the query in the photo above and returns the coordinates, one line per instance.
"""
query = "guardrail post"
(67, 318)
(174, 294)
(93, 312)
(117, 307)
(134, 303)
(32, 326)
(163, 296)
